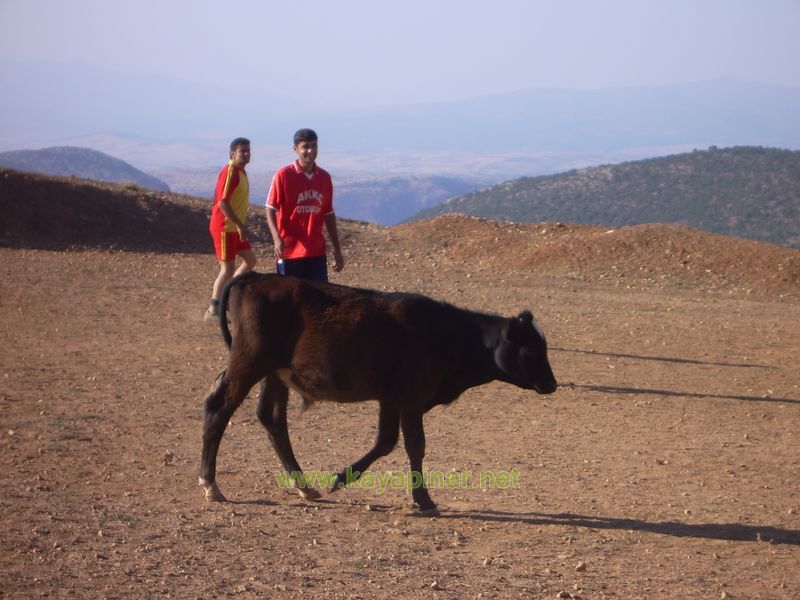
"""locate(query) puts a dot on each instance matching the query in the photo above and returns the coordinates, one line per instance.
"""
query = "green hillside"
(749, 192)
(85, 163)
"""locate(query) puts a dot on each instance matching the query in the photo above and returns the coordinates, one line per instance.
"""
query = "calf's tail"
(223, 304)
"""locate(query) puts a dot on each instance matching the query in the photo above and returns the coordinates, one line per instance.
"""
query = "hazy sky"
(363, 52)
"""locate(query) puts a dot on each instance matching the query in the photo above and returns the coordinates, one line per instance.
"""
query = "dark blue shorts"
(314, 268)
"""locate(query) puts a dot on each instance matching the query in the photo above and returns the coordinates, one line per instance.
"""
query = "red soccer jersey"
(302, 203)
(232, 187)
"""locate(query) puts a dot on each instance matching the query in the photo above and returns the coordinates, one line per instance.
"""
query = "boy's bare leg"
(226, 270)
(225, 274)
(248, 264)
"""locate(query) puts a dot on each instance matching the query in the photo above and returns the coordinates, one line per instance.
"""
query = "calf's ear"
(519, 327)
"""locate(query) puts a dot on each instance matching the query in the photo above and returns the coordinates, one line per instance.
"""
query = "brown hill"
(650, 254)
(55, 213)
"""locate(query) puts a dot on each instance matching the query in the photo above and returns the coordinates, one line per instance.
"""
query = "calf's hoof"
(339, 484)
(309, 494)
(429, 512)
(211, 491)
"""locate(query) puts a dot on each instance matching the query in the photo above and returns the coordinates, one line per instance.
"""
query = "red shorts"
(227, 245)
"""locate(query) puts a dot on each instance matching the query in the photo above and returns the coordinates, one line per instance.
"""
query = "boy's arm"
(333, 234)
(225, 208)
(273, 203)
(277, 240)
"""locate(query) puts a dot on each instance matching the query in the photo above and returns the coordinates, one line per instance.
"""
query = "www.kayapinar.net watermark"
(380, 481)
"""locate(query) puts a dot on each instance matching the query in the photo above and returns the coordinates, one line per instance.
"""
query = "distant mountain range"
(380, 200)
(79, 162)
(160, 122)
(392, 200)
(750, 192)
(585, 123)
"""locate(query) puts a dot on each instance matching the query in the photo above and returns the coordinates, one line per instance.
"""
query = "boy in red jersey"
(299, 205)
(228, 216)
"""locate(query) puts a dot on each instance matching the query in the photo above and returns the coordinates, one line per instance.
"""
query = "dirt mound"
(58, 213)
(651, 254)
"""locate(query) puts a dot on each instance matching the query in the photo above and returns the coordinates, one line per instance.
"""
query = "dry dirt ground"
(666, 466)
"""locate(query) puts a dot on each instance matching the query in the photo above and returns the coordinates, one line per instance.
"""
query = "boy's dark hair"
(239, 142)
(304, 135)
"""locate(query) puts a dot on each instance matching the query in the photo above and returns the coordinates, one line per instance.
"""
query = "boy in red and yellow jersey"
(228, 216)
(299, 205)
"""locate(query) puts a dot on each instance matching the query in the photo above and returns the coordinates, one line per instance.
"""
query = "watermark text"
(380, 481)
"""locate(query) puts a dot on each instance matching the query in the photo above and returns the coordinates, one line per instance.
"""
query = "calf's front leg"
(388, 432)
(414, 438)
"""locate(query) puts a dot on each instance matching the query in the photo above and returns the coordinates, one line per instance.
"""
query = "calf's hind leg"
(272, 414)
(226, 396)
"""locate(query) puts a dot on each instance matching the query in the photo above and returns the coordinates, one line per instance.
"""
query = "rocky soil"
(666, 466)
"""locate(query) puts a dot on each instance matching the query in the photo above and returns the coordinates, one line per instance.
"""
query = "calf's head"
(521, 355)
